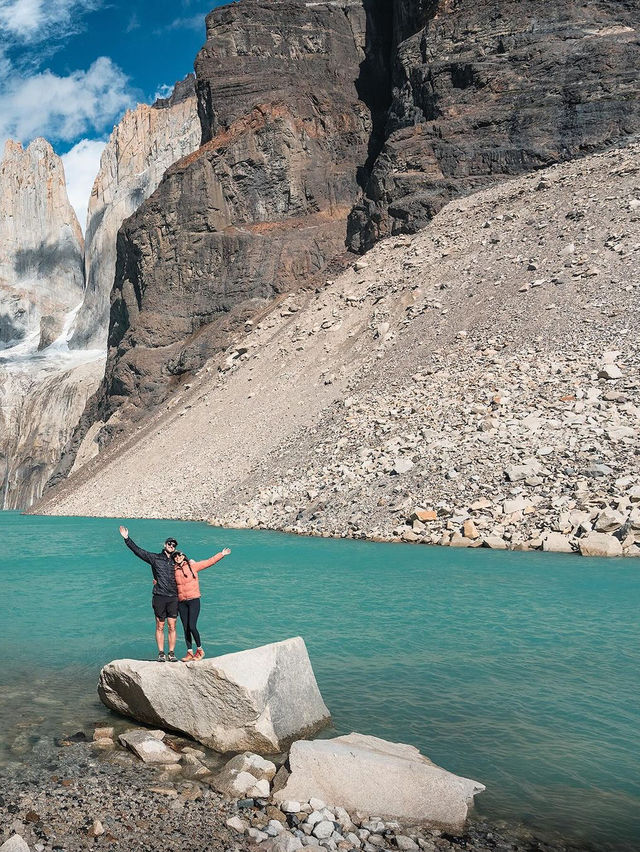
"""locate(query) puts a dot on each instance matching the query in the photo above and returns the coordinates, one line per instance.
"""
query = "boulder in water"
(258, 700)
(373, 776)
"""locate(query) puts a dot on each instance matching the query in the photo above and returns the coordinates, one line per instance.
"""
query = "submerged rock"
(258, 700)
(370, 775)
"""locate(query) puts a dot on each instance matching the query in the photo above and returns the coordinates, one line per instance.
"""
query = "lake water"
(519, 670)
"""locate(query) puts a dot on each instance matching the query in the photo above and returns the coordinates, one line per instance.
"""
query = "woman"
(189, 597)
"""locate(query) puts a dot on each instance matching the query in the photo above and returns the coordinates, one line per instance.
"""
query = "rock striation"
(482, 91)
(40, 247)
(258, 700)
(146, 141)
(369, 775)
(257, 210)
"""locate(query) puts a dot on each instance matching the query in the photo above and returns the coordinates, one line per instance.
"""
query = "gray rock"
(257, 835)
(148, 746)
(494, 542)
(600, 544)
(259, 700)
(609, 520)
(15, 844)
(610, 372)
(323, 829)
(284, 842)
(402, 465)
(371, 775)
(405, 844)
(237, 823)
(556, 543)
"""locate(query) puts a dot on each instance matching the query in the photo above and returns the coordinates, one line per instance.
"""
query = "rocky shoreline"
(88, 795)
(539, 453)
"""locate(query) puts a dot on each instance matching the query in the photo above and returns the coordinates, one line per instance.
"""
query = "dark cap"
(171, 541)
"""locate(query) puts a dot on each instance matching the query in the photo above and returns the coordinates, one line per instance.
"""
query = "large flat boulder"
(373, 776)
(258, 700)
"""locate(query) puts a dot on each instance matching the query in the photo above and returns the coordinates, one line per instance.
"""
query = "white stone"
(235, 784)
(317, 804)
(290, 806)
(260, 789)
(323, 829)
(555, 542)
(97, 829)
(343, 819)
(610, 372)
(285, 842)
(402, 465)
(15, 844)
(518, 504)
(237, 823)
(609, 520)
(371, 775)
(257, 835)
(600, 544)
(494, 542)
(257, 700)
(148, 746)
(516, 472)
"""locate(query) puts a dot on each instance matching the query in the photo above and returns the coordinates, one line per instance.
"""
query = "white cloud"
(32, 20)
(81, 165)
(63, 108)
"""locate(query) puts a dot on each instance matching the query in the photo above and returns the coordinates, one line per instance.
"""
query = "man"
(165, 591)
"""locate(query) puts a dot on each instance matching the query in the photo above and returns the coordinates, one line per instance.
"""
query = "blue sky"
(70, 68)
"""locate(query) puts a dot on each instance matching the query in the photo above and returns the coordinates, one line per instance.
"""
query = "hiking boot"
(188, 657)
(199, 654)
(172, 658)
(162, 657)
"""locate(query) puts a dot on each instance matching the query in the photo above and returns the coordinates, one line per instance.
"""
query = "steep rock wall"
(142, 146)
(40, 246)
(42, 390)
(483, 91)
(39, 408)
(260, 207)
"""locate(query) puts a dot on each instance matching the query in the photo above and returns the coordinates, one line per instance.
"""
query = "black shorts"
(164, 606)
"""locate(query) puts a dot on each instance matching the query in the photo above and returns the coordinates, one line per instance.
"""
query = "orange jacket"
(187, 580)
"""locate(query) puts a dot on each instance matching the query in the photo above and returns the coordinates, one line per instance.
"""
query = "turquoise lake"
(518, 670)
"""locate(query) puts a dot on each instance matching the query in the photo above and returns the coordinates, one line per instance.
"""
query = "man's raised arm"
(133, 547)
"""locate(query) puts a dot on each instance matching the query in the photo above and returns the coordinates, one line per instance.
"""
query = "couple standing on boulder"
(175, 590)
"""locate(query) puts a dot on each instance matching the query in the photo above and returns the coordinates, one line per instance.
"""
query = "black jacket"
(162, 568)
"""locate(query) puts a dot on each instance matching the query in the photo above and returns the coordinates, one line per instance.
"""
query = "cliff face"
(40, 247)
(42, 391)
(261, 206)
(482, 91)
(320, 121)
(40, 404)
(142, 146)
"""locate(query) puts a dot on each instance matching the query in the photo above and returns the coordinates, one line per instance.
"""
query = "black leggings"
(189, 612)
